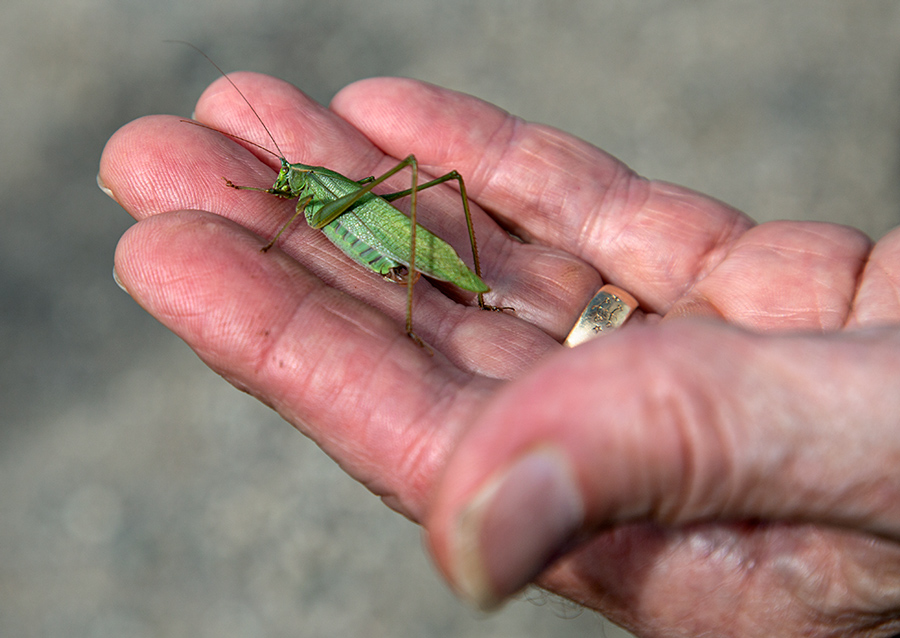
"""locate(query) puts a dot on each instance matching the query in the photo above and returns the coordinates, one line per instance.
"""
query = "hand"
(733, 471)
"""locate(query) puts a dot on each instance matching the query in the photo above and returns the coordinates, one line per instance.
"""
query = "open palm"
(737, 467)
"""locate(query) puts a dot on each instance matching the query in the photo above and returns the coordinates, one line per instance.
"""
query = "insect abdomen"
(357, 249)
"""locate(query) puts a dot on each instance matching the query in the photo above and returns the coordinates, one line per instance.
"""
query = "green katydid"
(366, 227)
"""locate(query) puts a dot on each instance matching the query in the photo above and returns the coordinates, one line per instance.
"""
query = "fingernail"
(106, 189)
(119, 281)
(514, 527)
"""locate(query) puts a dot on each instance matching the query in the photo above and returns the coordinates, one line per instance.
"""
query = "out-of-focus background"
(140, 495)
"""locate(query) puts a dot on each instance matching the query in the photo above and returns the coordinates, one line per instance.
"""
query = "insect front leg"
(236, 187)
(301, 206)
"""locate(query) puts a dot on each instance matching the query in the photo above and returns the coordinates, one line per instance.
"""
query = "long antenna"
(244, 97)
(234, 137)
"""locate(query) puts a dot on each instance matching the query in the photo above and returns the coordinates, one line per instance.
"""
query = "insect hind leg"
(454, 175)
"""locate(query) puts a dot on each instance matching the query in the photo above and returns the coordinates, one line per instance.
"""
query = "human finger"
(651, 238)
(545, 286)
(161, 163)
(340, 371)
(684, 423)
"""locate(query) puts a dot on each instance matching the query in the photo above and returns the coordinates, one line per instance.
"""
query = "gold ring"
(608, 310)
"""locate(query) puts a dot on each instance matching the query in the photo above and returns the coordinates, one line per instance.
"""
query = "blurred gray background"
(140, 495)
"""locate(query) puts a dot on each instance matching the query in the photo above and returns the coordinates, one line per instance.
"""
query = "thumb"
(673, 424)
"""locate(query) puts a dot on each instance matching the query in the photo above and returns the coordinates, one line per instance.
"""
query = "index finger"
(653, 238)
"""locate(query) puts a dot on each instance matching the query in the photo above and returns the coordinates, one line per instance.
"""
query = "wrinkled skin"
(735, 447)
